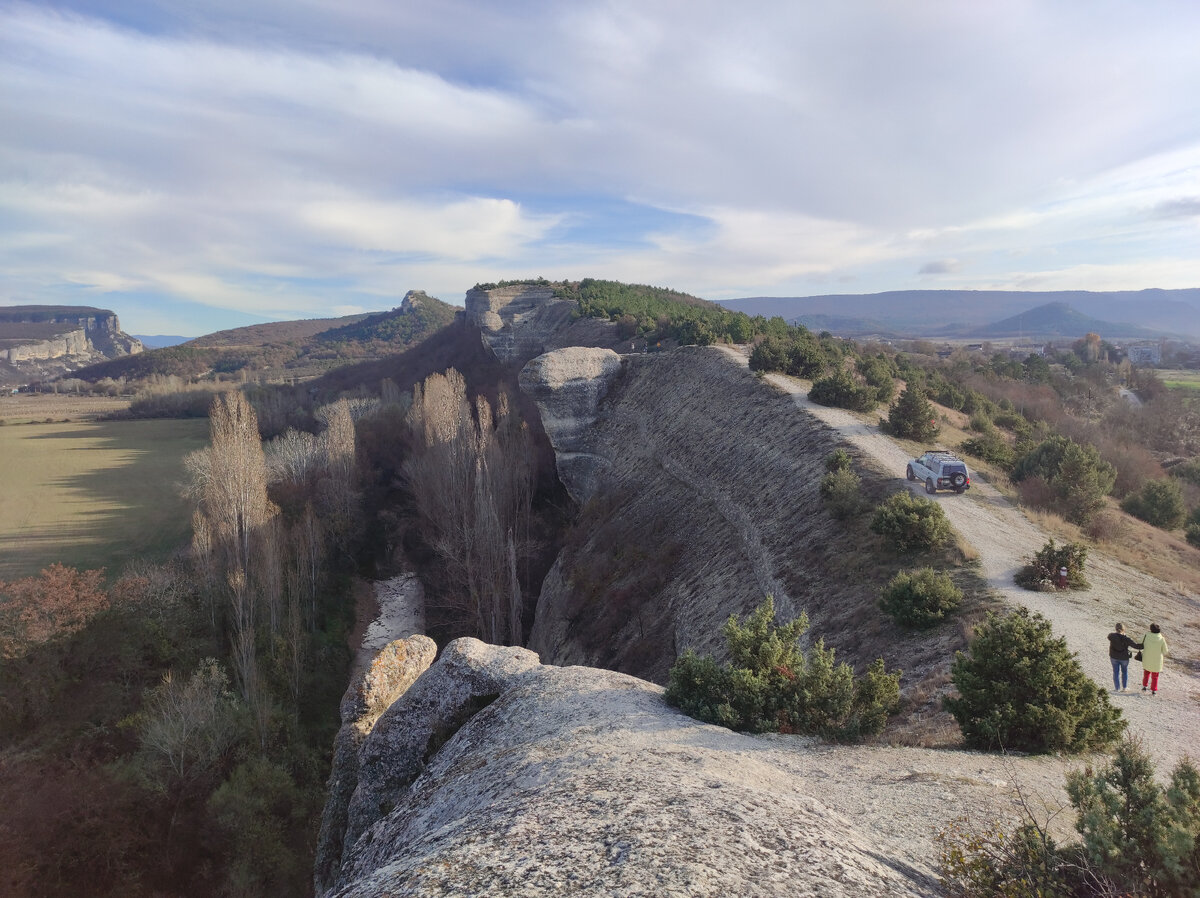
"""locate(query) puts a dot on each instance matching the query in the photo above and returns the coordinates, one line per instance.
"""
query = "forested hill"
(299, 348)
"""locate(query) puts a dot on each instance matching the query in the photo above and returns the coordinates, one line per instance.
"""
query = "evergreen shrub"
(838, 460)
(772, 685)
(1041, 573)
(1076, 475)
(841, 492)
(912, 417)
(1137, 838)
(990, 446)
(1159, 502)
(920, 599)
(842, 390)
(1021, 689)
(910, 523)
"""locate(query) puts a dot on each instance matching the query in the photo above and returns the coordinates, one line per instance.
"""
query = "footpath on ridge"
(1169, 723)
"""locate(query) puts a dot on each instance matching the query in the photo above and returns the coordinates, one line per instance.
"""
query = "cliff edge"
(575, 781)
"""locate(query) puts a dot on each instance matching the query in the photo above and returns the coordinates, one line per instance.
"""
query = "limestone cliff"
(568, 386)
(43, 342)
(513, 778)
(521, 321)
(701, 497)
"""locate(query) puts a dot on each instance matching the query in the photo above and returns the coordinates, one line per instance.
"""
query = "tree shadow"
(114, 509)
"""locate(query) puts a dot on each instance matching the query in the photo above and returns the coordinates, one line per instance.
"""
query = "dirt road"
(1005, 539)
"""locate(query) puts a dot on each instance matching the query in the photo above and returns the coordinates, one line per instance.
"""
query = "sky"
(200, 166)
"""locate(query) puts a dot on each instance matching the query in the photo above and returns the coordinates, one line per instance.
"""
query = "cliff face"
(525, 320)
(702, 499)
(544, 781)
(568, 386)
(43, 342)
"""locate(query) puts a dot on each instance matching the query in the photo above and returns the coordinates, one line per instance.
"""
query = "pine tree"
(1022, 689)
(912, 417)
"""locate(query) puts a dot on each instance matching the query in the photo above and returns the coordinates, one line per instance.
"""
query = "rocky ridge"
(520, 321)
(585, 782)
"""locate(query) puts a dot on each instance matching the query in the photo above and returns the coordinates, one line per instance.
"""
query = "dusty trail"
(1169, 723)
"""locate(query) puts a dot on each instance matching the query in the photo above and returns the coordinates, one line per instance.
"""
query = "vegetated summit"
(298, 348)
(963, 314)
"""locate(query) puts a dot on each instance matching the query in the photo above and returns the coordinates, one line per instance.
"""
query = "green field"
(93, 494)
(1181, 379)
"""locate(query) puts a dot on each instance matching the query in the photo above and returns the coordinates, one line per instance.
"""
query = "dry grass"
(92, 494)
(41, 408)
(1166, 556)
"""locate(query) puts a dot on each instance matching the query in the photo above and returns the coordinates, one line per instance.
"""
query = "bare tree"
(470, 477)
(292, 456)
(234, 510)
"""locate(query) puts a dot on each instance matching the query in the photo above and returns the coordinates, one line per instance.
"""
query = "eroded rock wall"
(706, 501)
(38, 344)
(568, 386)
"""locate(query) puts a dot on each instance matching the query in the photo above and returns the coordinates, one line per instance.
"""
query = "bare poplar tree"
(232, 485)
(470, 478)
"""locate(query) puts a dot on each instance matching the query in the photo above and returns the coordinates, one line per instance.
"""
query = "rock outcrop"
(517, 321)
(466, 678)
(521, 321)
(568, 385)
(394, 670)
(575, 781)
(41, 342)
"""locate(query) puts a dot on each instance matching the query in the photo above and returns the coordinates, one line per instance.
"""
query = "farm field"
(25, 408)
(1181, 379)
(93, 493)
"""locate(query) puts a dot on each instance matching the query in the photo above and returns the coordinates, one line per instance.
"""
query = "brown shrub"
(1106, 526)
(1037, 493)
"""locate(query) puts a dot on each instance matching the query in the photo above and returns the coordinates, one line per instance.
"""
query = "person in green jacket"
(1154, 649)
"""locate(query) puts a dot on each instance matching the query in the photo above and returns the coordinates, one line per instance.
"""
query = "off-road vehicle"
(940, 470)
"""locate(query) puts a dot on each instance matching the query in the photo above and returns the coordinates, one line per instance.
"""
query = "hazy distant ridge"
(966, 312)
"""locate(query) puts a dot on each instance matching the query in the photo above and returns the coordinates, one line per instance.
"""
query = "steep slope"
(702, 498)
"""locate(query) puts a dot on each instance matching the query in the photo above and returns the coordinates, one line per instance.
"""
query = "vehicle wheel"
(959, 481)
(929, 487)
(961, 490)
(908, 472)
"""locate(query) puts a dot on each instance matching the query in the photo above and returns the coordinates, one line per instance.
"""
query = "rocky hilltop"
(502, 776)
(42, 342)
(520, 321)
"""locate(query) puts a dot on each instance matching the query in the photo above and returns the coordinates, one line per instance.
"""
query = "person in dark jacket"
(1118, 653)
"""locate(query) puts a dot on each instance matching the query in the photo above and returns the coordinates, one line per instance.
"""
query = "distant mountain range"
(964, 314)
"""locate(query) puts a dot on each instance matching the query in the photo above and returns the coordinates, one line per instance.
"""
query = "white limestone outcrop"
(568, 386)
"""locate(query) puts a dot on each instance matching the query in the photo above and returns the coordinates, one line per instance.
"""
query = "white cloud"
(265, 156)
(463, 230)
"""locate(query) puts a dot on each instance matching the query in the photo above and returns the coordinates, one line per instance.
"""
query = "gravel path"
(1005, 539)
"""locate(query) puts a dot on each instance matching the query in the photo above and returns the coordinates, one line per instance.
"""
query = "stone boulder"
(568, 386)
(468, 675)
(578, 781)
(395, 668)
